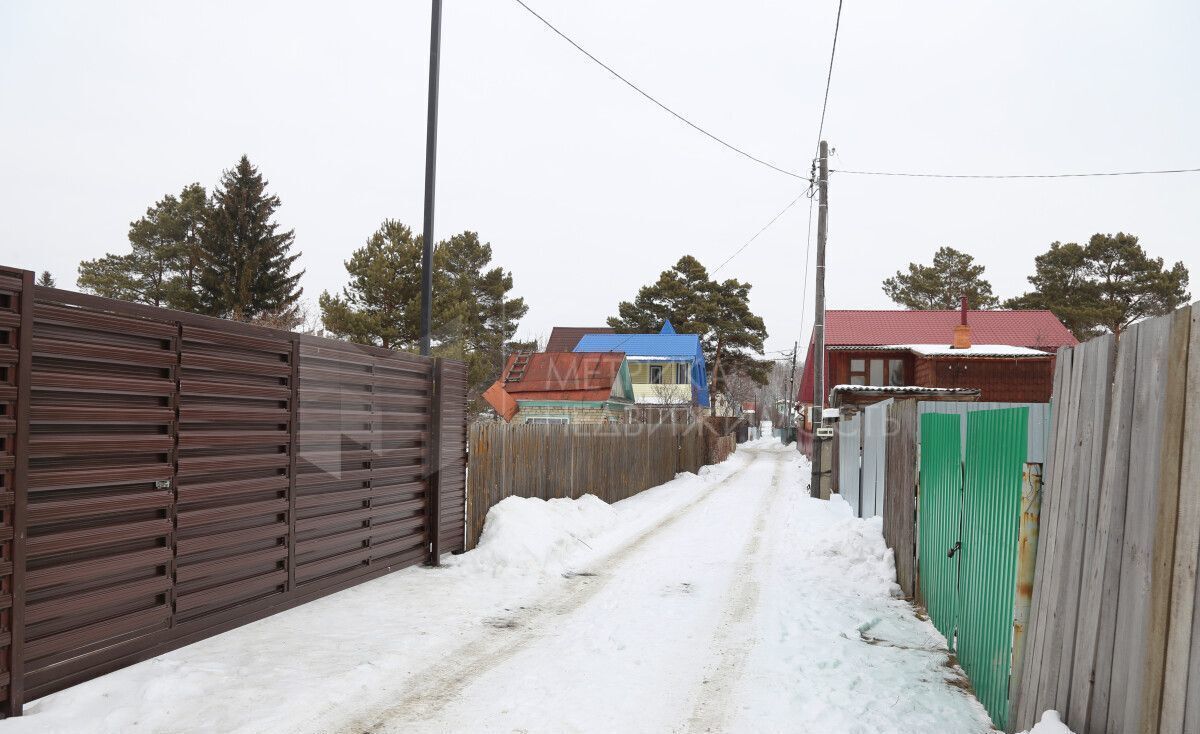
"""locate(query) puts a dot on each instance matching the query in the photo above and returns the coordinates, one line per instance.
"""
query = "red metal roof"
(575, 376)
(1036, 329)
(565, 338)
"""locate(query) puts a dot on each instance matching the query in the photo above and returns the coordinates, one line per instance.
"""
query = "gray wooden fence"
(1114, 636)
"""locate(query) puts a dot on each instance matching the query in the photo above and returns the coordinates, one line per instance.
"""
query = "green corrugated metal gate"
(975, 508)
(940, 512)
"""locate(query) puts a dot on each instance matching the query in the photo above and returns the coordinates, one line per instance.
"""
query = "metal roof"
(676, 346)
(569, 376)
(566, 338)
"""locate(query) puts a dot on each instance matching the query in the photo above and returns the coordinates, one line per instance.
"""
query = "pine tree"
(474, 319)
(46, 279)
(246, 260)
(719, 312)
(161, 266)
(1105, 285)
(473, 316)
(941, 285)
(381, 304)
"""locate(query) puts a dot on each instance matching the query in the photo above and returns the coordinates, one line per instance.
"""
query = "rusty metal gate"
(165, 477)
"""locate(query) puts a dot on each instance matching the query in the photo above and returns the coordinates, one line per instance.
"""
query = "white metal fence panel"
(874, 458)
(849, 459)
(1039, 422)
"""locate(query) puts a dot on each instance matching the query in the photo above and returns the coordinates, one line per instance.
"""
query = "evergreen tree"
(381, 304)
(161, 267)
(474, 319)
(46, 279)
(719, 312)
(246, 260)
(473, 316)
(1105, 285)
(941, 285)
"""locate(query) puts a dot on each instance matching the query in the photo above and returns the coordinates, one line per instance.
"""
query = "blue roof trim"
(681, 347)
(667, 328)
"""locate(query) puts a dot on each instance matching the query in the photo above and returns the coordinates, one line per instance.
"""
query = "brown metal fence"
(166, 476)
(612, 461)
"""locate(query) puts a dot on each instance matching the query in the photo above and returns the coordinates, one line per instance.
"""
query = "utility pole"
(821, 449)
(790, 420)
(435, 59)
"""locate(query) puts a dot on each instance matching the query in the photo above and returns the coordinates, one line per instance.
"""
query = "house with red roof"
(563, 387)
(1007, 355)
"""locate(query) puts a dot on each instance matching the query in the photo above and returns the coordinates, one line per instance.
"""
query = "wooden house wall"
(1000, 380)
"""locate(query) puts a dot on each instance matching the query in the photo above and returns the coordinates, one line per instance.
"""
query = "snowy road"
(726, 602)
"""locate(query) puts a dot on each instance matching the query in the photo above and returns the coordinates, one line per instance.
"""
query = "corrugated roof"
(844, 328)
(1033, 329)
(566, 338)
(573, 376)
(673, 346)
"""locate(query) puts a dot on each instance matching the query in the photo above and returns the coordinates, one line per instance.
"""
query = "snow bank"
(1050, 724)
(532, 535)
(853, 554)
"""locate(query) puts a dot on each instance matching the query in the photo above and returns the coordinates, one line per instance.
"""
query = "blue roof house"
(666, 368)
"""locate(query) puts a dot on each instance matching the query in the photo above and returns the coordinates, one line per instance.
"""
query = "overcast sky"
(586, 190)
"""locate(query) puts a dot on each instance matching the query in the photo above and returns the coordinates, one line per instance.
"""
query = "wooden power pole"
(822, 453)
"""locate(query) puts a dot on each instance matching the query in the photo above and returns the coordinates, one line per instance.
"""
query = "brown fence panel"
(166, 476)
(100, 532)
(452, 455)
(16, 331)
(232, 483)
(364, 420)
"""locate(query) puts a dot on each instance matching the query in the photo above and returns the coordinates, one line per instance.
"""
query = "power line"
(837, 24)
(765, 227)
(667, 109)
(907, 174)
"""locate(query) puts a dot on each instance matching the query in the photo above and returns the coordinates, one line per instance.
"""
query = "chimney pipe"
(962, 332)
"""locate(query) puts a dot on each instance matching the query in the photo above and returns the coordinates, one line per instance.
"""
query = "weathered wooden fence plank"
(900, 495)
(1025, 701)
(1132, 643)
(1163, 539)
(612, 461)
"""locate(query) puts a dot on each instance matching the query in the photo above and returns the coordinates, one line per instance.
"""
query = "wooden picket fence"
(613, 462)
(1114, 635)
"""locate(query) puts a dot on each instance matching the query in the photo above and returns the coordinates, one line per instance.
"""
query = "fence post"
(16, 648)
(433, 466)
(293, 450)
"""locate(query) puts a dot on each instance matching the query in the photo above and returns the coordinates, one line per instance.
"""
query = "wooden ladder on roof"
(516, 373)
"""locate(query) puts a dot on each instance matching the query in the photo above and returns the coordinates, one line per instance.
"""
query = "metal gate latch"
(954, 549)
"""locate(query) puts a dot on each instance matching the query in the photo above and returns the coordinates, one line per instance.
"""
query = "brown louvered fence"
(165, 477)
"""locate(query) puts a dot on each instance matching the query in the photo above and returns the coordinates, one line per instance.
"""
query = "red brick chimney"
(962, 332)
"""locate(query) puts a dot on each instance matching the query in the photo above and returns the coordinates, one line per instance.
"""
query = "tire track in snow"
(444, 683)
(733, 639)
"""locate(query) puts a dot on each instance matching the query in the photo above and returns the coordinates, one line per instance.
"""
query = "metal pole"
(819, 476)
(789, 420)
(435, 55)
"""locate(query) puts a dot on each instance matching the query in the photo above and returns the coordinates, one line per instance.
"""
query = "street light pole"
(821, 448)
(435, 56)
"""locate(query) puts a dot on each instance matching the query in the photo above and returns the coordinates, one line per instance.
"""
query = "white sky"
(586, 190)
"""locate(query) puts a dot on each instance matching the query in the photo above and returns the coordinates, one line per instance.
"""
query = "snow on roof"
(1035, 328)
(975, 350)
(906, 389)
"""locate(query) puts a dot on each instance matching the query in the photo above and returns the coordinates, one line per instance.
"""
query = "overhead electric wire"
(837, 24)
(908, 174)
(764, 228)
(650, 97)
